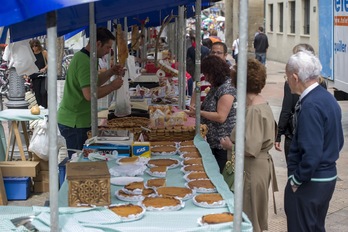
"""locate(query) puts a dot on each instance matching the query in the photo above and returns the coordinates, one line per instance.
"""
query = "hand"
(43, 70)
(191, 112)
(117, 83)
(277, 146)
(118, 70)
(226, 143)
(294, 188)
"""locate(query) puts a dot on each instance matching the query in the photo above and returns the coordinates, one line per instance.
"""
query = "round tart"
(134, 187)
(161, 150)
(170, 163)
(193, 168)
(180, 192)
(194, 161)
(128, 212)
(190, 155)
(125, 196)
(162, 143)
(128, 160)
(162, 203)
(209, 198)
(202, 186)
(187, 143)
(160, 171)
(155, 183)
(217, 218)
(188, 149)
(196, 176)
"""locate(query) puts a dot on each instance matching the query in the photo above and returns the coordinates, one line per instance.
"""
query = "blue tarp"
(75, 17)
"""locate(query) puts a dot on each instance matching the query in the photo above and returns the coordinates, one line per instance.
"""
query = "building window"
(292, 16)
(271, 17)
(281, 16)
(306, 16)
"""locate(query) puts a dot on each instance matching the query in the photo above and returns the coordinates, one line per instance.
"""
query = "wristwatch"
(292, 183)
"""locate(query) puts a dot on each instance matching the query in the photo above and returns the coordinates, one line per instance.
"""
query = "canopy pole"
(51, 20)
(197, 75)
(181, 57)
(240, 124)
(93, 70)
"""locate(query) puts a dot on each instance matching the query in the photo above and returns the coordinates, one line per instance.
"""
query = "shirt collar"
(306, 91)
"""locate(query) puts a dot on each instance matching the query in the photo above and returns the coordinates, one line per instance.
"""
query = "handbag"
(229, 171)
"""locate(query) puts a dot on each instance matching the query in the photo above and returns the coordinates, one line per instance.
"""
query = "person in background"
(74, 113)
(285, 124)
(207, 42)
(214, 36)
(218, 110)
(235, 48)
(261, 46)
(315, 146)
(39, 79)
(205, 34)
(259, 139)
(220, 49)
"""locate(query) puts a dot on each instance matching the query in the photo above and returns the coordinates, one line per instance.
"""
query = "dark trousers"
(221, 157)
(287, 143)
(306, 208)
(75, 137)
(39, 88)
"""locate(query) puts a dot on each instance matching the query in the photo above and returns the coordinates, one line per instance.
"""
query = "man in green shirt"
(74, 113)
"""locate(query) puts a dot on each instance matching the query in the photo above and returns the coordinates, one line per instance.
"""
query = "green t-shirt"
(75, 110)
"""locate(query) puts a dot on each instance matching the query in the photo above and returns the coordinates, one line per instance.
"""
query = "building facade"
(288, 23)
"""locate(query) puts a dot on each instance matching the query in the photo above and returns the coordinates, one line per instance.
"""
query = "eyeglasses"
(35, 45)
(216, 53)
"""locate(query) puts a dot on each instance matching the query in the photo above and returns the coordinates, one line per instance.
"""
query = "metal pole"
(197, 75)
(52, 122)
(181, 57)
(93, 70)
(240, 124)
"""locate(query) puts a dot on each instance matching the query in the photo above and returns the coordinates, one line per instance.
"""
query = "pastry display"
(128, 160)
(170, 150)
(179, 192)
(217, 218)
(128, 212)
(187, 143)
(190, 155)
(160, 171)
(170, 163)
(196, 176)
(194, 161)
(162, 143)
(134, 187)
(193, 168)
(209, 198)
(205, 186)
(188, 149)
(155, 183)
(162, 203)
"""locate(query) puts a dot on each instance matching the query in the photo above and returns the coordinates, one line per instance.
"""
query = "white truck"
(333, 40)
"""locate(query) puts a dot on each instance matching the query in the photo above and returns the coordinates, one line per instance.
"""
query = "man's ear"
(295, 76)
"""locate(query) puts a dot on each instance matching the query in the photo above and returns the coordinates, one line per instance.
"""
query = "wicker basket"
(177, 133)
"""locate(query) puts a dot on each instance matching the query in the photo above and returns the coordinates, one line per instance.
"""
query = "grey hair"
(305, 65)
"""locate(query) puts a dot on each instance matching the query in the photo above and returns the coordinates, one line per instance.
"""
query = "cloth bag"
(229, 171)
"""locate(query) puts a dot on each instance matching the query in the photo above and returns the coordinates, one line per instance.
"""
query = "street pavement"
(337, 218)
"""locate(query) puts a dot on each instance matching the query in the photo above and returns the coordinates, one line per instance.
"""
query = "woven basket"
(177, 133)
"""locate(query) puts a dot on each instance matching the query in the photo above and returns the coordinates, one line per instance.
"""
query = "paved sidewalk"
(337, 219)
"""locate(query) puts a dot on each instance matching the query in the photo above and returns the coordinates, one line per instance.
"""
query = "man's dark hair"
(261, 29)
(104, 35)
(221, 44)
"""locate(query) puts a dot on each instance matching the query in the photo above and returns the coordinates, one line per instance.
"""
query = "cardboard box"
(106, 148)
(89, 183)
(17, 188)
(41, 186)
(141, 149)
(42, 176)
(20, 168)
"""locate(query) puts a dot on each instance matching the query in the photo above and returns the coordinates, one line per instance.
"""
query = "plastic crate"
(17, 188)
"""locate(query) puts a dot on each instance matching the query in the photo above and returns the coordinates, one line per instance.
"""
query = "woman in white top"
(235, 48)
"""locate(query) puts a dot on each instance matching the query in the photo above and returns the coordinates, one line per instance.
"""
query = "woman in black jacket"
(285, 126)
